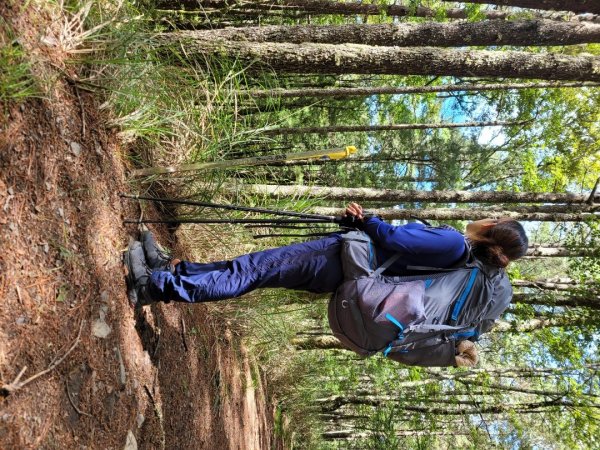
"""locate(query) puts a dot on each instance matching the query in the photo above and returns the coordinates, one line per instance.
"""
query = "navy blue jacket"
(419, 245)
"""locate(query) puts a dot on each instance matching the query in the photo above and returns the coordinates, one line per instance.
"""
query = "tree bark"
(390, 127)
(560, 321)
(317, 342)
(519, 372)
(398, 196)
(540, 250)
(326, 7)
(361, 59)
(576, 6)
(353, 435)
(393, 90)
(433, 34)
(545, 285)
(373, 160)
(522, 390)
(542, 214)
(573, 301)
(337, 401)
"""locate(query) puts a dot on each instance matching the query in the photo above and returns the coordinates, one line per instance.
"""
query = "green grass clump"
(16, 80)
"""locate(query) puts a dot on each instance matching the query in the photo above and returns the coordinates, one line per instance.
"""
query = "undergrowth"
(169, 109)
(17, 83)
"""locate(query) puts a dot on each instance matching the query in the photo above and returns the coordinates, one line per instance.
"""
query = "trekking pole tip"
(126, 195)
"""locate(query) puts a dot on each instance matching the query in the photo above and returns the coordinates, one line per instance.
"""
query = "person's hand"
(466, 354)
(355, 210)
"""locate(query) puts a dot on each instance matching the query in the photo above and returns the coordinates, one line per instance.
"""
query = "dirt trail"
(169, 376)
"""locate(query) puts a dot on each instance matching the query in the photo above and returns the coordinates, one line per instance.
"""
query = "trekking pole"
(263, 236)
(316, 217)
(265, 222)
(295, 227)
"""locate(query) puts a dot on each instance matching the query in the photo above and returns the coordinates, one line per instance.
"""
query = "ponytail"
(501, 243)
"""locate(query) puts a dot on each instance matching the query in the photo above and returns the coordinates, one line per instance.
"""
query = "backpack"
(415, 319)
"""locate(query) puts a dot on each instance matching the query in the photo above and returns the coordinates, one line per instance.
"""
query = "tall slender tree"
(435, 34)
(400, 90)
(398, 196)
(576, 6)
(390, 127)
(349, 8)
(357, 59)
(554, 213)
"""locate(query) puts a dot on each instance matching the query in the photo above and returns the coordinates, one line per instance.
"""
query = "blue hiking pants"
(313, 266)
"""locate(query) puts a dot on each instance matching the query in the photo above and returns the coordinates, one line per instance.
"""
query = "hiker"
(316, 266)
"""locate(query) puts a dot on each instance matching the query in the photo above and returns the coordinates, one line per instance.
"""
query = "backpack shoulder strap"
(385, 265)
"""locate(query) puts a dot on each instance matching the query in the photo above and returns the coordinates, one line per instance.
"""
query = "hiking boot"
(138, 275)
(156, 258)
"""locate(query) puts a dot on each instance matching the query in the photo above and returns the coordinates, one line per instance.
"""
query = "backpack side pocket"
(388, 308)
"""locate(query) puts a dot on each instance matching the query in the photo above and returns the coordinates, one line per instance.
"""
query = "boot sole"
(129, 279)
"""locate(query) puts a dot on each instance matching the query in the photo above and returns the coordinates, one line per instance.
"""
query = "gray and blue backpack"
(416, 319)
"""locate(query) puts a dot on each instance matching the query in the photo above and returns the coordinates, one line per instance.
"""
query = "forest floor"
(168, 376)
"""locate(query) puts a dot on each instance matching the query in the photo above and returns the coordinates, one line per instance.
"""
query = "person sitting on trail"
(316, 266)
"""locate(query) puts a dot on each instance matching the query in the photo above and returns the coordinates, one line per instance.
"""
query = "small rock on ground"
(130, 442)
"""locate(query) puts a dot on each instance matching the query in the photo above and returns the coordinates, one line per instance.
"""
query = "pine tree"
(576, 6)
(359, 59)
(434, 34)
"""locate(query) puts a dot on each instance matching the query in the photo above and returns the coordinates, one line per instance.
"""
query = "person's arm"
(418, 244)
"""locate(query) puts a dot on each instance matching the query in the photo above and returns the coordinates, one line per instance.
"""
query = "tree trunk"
(545, 285)
(529, 213)
(576, 6)
(391, 127)
(336, 402)
(393, 90)
(522, 390)
(541, 250)
(317, 342)
(373, 160)
(433, 34)
(353, 435)
(312, 58)
(561, 321)
(514, 372)
(573, 301)
(397, 196)
(346, 435)
(407, 179)
(326, 7)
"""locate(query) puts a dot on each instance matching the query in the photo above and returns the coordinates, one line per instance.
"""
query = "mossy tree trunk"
(576, 6)
(362, 59)
(301, 8)
(401, 90)
(397, 196)
(550, 213)
(435, 34)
